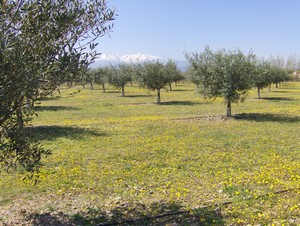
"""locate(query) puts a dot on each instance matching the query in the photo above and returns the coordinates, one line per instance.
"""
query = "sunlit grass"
(109, 150)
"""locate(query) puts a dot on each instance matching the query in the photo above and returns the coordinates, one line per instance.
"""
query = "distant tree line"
(150, 75)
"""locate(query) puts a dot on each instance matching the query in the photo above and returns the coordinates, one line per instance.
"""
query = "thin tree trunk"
(258, 92)
(170, 85)
(103, 87)
(277, 85)
(228, 112)
(158, 96)
(123, 92)
(92, 86)
(176, 83)
(270, 87)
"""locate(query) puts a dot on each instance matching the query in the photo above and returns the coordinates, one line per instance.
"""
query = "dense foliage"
(42, 45)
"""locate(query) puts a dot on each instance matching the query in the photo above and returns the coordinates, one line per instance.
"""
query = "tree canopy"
(42, 45)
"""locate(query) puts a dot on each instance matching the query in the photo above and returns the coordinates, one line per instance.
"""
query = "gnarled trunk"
(258, 92)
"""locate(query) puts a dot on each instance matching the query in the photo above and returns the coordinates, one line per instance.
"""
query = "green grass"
(120, 159)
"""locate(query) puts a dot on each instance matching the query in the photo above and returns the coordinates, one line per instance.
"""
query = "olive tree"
(173, 73)
(89, 77)
(119, 76)
(225, 74)
(280, 69)
(279, 75)
(96, 76)
(153, 76)
(262, 76)
(101, 76)
(42, 45)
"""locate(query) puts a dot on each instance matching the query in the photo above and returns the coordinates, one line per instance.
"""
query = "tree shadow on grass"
(138, 95)
(112, 91)
(156, 214)
(267, 117)
(190, 103)
(49, 98)
(181, 90)
(50, 133)
(55, 108)
(279, 91)
(277, 99)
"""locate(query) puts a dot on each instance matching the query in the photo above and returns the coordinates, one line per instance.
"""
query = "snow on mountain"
(114, 59)
(138, 58)
(106, 59)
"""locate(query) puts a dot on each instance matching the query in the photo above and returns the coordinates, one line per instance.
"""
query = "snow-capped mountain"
(106, 59)
(114, 59)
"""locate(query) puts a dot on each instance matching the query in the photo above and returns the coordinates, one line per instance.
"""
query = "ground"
(126, 160)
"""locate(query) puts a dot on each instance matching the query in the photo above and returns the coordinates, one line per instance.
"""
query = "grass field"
(129, 161)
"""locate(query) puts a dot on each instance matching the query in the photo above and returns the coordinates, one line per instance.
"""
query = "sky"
(169, 28)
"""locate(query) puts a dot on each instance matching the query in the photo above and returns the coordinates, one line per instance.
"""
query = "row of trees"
(267, 74)
(227, 74)
(150, 75)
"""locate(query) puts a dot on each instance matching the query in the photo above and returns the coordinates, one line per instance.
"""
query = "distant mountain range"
(114, 59)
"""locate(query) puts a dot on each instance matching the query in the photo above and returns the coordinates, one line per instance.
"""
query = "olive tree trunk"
(170, 85)
(158, 96)
(228, 112)
(123, 91)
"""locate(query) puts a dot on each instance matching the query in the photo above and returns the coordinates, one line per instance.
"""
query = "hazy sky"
(168, 28)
